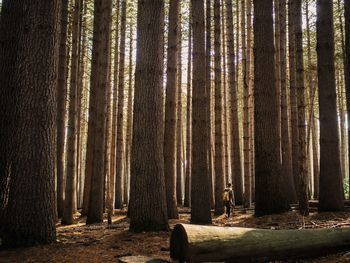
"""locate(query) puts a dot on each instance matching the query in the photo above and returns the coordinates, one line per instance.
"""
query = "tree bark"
(299, 63)
(200, 201)
(61, 106)
(287, 168)
(148, 211)
(209, 91)
(119, 175)
(246, 145)
(97, 109)
(219, 151)
(187, 200)
(170, 112)
(70, 194)
(293, 94)
(28, 121)
(235, 134)
(347, 62)
(269, 193)
(192, 243)
(179, 130)
(331, 185)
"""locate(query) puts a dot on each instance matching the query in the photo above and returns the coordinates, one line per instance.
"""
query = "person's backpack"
(226, 196)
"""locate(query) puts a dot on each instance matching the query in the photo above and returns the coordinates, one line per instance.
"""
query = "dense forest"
(120, 119)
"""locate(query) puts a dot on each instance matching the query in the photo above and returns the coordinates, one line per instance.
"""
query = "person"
(229, 199)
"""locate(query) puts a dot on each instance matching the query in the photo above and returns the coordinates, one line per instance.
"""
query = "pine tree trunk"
(70, 194)
(225, 115)
(209, 90)
(315, 158)
(331, 185)
(246, 145)
(200, 201)
(299, 63)
(115, 109)
(61, 106)
(347, 63)
(170, 111)
(269, 197)
(219, 144)
(97, 109)
(148, 208)
(187, 200)
(28, 121)
(119, 175)
(235, 134)
(130, 116)
(179, 135)
(287, 169)
(293, 94)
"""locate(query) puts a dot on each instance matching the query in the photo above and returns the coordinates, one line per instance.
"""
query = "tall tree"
(61, 105)
(246, 145)
(208, 49)
(287, 169)
(235, 144)
(114, 109)
(219, 144)
(28, 121)
(269, 195)
(299, 63)
(293, 94)
(187, 200)
(70, 193)
(148, 211)
(170, 111)
(179, 135)
(331, 185)
(97, 109)
(120, 116)
(200, 201)
(347, 60)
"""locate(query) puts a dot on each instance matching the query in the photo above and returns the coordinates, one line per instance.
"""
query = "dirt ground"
(102, 243)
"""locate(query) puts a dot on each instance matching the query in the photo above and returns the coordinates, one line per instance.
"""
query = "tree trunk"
(70, 194)
(113, 166)
(187, 200)
(209, 91)
(119, 175)
(331, 185)
(235, 134)
(129, 118)
(287, 169)
(347, 64)
(148, 208)
(97, 117)
(170, 112)
(179, 135)
(28, 121)
(61, 106)
(269, 195)
(225, 115)
(192, 243)
(299, 63)
(219, 151)
(246, 145)
(200, 201)
(293, 94)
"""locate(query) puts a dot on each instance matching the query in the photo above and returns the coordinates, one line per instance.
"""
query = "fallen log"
(195, 243)
(314, 203)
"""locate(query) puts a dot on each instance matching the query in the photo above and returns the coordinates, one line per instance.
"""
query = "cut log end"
(140, 259)
(179, 243)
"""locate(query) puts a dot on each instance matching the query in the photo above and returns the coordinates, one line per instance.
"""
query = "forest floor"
(103, 243)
